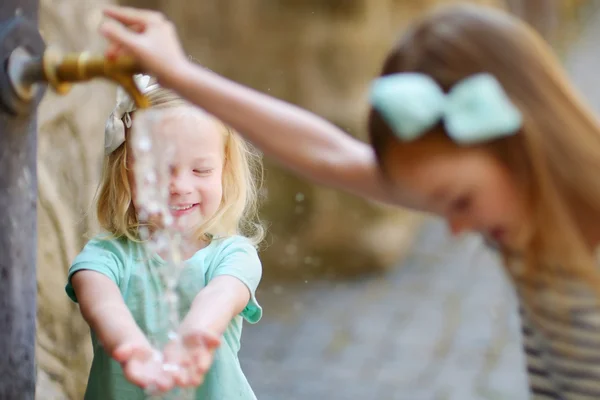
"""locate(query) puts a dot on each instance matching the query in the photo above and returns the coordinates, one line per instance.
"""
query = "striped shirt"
(561, 339)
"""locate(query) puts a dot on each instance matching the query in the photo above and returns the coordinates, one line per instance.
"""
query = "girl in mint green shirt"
(118, 285)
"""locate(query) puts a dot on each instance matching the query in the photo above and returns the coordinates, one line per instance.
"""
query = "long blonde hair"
(242, 177)
(555, 157)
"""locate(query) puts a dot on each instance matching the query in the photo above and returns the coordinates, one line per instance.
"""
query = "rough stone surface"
(69, 159)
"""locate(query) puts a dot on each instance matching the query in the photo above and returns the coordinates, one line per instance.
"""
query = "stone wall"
(69, 160)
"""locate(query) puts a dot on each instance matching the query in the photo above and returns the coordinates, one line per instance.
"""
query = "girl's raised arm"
(296, 138)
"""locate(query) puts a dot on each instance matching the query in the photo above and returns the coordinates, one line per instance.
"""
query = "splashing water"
(153, 154)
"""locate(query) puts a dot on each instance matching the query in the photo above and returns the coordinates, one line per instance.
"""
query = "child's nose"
(180, 184)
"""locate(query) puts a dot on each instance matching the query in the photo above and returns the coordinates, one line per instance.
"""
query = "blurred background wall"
(319, 54)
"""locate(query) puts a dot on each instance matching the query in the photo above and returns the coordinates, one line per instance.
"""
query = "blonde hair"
(242, 177)
(556, 155)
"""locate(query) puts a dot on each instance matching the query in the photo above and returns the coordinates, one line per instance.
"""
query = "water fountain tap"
(25, 72)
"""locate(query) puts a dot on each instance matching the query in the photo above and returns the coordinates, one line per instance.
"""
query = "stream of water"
(153, 155)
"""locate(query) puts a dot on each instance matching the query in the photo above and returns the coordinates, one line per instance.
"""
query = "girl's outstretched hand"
(144, 35)
(143, 366)
(188, 358)
(183, 362)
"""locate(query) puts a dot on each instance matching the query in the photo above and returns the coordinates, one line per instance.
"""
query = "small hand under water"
(143, 366)
(190, 357)
(183, 362)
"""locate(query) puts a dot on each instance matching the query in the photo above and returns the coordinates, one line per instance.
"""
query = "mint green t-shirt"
(139, 282)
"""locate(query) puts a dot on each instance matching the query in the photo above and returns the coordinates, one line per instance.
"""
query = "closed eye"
(203, 171)
(461, 204)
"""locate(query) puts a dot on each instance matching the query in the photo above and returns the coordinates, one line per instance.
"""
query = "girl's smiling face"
(196, 169)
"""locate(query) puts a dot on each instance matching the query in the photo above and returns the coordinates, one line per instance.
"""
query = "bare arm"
(296, 138)
(215, 306)
(104, 310)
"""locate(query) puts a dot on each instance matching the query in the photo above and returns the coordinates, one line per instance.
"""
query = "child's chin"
(185, 225)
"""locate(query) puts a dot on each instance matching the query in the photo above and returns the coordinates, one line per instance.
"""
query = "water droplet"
(144, 144)
(153, 207)
(291, 249)
(150, 178)
(299, 197)
(144, 232)
(170, 296)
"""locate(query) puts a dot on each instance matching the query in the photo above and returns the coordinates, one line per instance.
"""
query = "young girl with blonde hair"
(473, 119)
(212, 199)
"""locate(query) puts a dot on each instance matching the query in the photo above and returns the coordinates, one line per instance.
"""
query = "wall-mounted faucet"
(25, 72)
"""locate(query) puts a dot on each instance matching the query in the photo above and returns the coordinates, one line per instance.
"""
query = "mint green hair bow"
(475, 110)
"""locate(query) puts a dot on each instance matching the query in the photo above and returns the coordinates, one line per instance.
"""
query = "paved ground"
(441, 326)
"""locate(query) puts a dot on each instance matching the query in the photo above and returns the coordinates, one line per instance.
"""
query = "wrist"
(187, 329)
(174, 73)
(136, 339)
(193, 336)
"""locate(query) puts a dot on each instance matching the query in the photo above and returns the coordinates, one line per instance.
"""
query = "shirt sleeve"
(105, 256)
(240, 259)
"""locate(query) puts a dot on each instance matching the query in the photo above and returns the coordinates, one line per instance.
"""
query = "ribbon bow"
(120, 117)
(475, 110)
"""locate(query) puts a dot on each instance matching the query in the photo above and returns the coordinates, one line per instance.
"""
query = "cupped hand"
(143, 366)
(189, 357)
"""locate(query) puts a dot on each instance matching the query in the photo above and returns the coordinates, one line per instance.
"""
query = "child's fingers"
(181, 377)
(123, 353)
(211, 340)
(137, 373)
(201, 360)
(132, 351)
(164, 382)
(203, 338)
(205, 361)
(194, 374)
(113, 51)
(118, 34)
(196, 377)
(139, 28)
(114, 56)
(130, 15)
(196, 380)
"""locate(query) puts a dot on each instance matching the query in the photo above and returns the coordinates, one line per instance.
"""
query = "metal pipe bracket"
(20, 41)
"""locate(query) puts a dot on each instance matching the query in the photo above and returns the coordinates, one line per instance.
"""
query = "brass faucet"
(60, 71)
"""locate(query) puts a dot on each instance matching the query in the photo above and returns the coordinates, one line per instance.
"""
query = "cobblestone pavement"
(441, 326)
